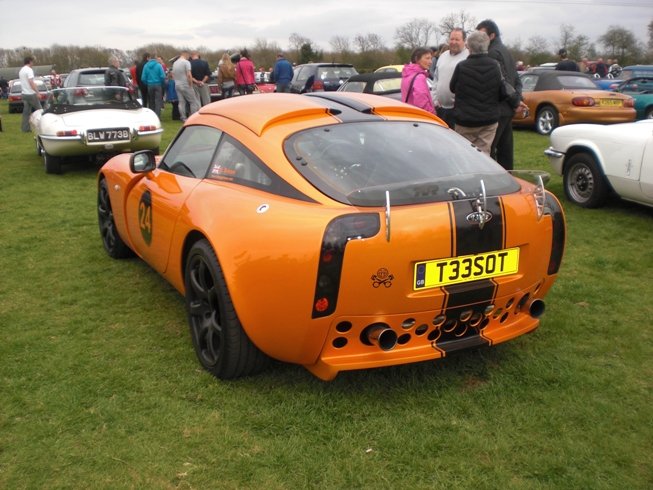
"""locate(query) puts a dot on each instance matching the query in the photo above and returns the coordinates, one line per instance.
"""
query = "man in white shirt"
(28, 91)
(443, 98)
(181, 73)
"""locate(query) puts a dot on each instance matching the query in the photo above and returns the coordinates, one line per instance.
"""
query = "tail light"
(552, 208)
(15, 98)
(80, 92)
(630, 102)
(338, 233)
(147, 128)
(67, 133)
(318, 85)
(583, 101)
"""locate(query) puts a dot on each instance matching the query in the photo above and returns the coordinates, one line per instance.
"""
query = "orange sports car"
(338, 231)
(557, 98)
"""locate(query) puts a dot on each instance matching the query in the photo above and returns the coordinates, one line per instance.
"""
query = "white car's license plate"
(103, 135)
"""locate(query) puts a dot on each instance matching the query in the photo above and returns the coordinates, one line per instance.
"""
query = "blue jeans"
(283, 87)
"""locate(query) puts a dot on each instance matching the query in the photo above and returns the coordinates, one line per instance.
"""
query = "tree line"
(366, 51)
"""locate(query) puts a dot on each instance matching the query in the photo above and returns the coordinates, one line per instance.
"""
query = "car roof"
(287, 107)
(548, 79)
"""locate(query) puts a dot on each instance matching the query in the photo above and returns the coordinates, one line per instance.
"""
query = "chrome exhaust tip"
(536, 308)
(381, 335)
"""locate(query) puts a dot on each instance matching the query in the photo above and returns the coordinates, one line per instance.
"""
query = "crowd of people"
(475, 89)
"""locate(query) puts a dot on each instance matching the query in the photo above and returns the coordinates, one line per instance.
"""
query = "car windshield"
(65, 100)
(387, 84)
(356, 163)
(570, 81)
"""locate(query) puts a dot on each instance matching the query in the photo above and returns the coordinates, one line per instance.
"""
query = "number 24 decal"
(145, 216)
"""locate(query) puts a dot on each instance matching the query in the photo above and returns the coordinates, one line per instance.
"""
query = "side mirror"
(142, 162)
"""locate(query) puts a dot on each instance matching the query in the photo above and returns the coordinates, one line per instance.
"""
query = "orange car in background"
(557, 98)
(337, 231)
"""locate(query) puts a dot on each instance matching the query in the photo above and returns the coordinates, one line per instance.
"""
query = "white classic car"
(595, 159)
(100, 121)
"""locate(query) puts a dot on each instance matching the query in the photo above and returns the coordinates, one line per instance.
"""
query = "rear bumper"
(425, 335)
(556, 159)
(78, 145)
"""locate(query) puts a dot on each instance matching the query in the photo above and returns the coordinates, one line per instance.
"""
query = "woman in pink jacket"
(245, 74)
(414, 89)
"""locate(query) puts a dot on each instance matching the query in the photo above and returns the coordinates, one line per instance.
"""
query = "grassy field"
(100, 386)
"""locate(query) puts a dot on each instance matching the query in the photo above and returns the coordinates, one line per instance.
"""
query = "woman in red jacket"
(245, 74)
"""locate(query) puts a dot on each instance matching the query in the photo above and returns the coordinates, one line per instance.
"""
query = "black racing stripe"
(470, 238)
(347, 109)
(476, 296)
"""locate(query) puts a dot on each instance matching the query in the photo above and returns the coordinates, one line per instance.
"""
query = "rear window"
(570, 81)
(16, 86)
(386, 85)
(328, 72)
(91, 79)
(354, 87)
(356, 163)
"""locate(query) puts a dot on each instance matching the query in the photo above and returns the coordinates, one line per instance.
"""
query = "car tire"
(221, 344)
(546, 120)
(155, 150)
(584, 183)
(113, 244)
(52, 164)
(649, 113)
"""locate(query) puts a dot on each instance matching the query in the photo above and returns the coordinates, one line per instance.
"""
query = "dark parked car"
(319, 77)
(16, 99)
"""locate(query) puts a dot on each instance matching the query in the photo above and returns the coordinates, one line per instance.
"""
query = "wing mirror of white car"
(142, 162)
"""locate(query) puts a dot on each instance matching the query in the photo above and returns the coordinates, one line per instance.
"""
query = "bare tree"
(415, 33)
(264, 53)
(369, 42)
(650, 35)
(537, 50)
(461, 20)
(621, 42)
(340, 44)
(296, 41)
(566, 35)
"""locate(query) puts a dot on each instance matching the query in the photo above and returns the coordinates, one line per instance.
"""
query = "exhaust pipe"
(381, 335)
(536, 308)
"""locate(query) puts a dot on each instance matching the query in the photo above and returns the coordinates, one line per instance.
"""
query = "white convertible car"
(594, 160)
(92, 121)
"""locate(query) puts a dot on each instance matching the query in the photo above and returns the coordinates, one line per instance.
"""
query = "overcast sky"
(231, 23)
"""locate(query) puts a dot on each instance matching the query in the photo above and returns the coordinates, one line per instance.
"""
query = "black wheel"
(222, 346)
(155, 150)
(111, 240)
(584, 182)
(546, 120)
(649, 113)
(52, 164)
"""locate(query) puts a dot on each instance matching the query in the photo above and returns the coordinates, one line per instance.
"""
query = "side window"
(192, 152)
(302, 76)
(528, 83)
(235, 164)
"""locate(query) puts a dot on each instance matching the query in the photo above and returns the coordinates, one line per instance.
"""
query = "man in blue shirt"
(283, 73)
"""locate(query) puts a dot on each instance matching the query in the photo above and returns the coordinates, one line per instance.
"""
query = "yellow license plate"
(442, 272)
(610, 102)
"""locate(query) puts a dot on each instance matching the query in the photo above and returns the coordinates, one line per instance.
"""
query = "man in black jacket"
(142, 87)
(502, 146)
(565, 64)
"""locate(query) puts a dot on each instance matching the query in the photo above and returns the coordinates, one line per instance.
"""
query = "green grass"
(100, 387)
